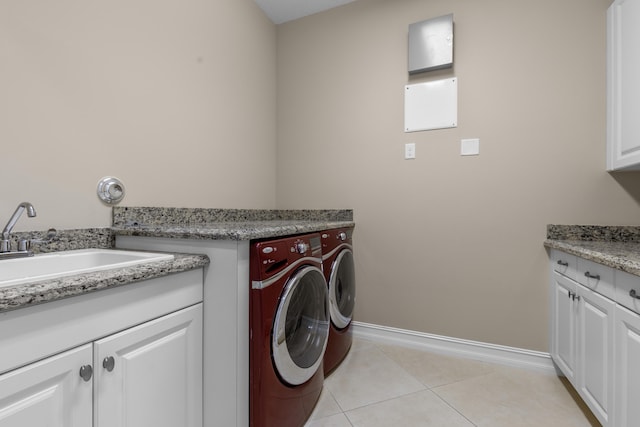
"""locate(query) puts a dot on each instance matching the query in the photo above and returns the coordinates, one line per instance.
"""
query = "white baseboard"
(492, 353)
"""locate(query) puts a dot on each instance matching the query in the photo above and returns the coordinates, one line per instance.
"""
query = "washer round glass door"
(342, 289)
(301, 326)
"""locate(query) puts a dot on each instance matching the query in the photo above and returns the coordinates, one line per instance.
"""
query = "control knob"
(342, 236)
(301, 247)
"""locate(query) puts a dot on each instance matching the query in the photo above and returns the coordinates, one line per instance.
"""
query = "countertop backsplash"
(65, 240)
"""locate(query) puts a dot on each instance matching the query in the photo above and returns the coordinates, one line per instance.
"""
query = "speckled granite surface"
(211, 224)
(614, 246)
(66, 240)
(28, 294)
(150, 216)
(232, 230)
(224, 224)
(594, 233)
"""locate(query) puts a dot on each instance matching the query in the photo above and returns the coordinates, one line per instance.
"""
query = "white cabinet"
(128, 356)
(627, 370)
(226, 322)
(48, 393)
(595, 346)
(582, 337)
(627, 375)
(148, 375)
(151, 375)
(623, 85)
(564, 318)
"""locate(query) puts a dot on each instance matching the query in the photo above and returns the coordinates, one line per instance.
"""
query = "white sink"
(66, 263)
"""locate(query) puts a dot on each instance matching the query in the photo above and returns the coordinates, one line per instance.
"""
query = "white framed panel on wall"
(431, 105)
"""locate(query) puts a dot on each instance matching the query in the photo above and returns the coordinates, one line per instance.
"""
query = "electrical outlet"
(410, 151)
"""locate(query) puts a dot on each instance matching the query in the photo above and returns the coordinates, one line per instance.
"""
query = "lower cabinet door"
(595, 352)
(49, 393)
(151, 375)
(627, 369)
(564, 339)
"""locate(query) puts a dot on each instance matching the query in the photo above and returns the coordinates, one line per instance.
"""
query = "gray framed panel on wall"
(431, 44)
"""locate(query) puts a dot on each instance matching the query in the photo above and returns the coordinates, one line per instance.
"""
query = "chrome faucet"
(5, 243)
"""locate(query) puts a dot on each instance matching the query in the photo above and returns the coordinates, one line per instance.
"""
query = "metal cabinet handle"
(592, 276)
(632, 294)
(563, 263)
(108, 363)
(86, 372)
(573, 296)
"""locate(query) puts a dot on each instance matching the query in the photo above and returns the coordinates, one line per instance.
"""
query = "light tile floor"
(385, 386)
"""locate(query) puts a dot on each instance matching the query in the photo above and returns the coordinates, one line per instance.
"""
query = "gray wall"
(447, 244)
(176, 98)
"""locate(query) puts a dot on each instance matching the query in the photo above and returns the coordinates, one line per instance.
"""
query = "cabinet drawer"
(597, 277)
(564, 263)
(625, 283)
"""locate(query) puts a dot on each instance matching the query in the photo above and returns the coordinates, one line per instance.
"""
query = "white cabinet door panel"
(595, 353)
(627, 368)
(49, 393)
(623, 85)
(156, 380)
(564, 326)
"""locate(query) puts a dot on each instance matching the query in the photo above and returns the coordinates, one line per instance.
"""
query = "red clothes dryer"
(339, 272)
(289, 328)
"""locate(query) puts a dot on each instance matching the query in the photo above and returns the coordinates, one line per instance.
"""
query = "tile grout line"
(347, 415)
(451, 406)
(429, 388)
(374, 345)
(386, 400)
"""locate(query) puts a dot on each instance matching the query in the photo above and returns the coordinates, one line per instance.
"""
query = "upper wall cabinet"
(623, 85)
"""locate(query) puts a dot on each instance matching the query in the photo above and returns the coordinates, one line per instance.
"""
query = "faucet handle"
(5, 245)
(51, 235)
(24, 245)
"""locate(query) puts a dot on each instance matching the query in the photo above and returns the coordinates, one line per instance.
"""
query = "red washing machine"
(339, 272)
(289, 328)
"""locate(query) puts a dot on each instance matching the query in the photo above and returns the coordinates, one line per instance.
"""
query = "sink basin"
(66, 263)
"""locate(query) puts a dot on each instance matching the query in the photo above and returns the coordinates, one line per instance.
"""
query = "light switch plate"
(470, 147)
(410, 151)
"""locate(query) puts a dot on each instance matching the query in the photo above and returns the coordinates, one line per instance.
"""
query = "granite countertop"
(224, 224)
(614, 246)
(29, 294)
(230, 230)
(188, 223)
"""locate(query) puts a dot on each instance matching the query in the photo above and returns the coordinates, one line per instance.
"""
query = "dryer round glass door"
(342, 289)
(301, 326)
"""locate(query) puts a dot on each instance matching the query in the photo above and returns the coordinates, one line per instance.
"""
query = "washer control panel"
(331, 239)
(272, 256)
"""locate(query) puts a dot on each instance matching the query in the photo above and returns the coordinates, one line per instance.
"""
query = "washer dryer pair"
(289, 329)
(339, 271)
